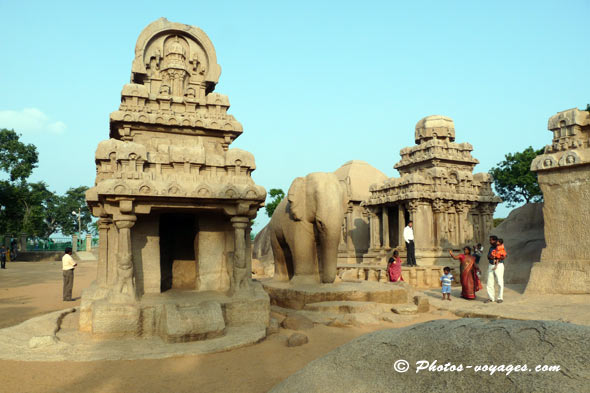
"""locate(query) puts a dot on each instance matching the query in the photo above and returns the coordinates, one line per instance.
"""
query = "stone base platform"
(175, 315)
(296, 297)
(422, 277)
(56, 337)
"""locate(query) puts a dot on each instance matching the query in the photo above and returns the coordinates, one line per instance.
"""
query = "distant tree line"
(32, 208)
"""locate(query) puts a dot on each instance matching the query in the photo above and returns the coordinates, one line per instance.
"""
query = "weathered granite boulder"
(368, 363)
(524, 239)
(297, 339)
(297, 322)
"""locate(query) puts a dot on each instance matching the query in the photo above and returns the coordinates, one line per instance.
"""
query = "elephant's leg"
(281, 269)
(328, 253)
(303, 248)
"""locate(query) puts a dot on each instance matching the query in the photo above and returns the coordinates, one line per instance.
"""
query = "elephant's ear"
(296, 198)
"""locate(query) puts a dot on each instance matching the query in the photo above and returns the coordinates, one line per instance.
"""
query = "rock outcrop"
(369, 363)
(523, 236)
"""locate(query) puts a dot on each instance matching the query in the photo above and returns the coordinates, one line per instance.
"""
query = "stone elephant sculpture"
(305, 229)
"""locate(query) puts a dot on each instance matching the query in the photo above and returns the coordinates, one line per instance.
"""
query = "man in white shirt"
(409, 239)
(68, 265)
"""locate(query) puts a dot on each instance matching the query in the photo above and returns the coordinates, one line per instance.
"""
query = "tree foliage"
(513, 179)
(17, 159)
(277, 196)
(32, 208)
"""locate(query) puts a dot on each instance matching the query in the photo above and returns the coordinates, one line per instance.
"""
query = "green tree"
(277, 196)
(16, 158)
(17, 161)
(73, 201)
(513, 179)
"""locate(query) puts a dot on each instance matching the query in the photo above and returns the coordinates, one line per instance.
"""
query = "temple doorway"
(178, 251)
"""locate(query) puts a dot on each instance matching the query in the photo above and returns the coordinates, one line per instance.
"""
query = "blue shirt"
(447, 279)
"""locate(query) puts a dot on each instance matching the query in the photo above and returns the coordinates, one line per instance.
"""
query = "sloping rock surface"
(366, 364)
(524, 239)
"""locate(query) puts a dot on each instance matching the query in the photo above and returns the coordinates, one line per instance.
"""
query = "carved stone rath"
(438, 191)
(175, 202)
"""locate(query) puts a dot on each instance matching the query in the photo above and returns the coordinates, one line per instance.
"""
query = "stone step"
(405, 309)
(348, 307)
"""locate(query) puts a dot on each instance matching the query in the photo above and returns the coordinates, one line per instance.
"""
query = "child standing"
(445, 281)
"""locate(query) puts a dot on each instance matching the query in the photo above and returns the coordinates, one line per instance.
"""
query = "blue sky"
(314, 84)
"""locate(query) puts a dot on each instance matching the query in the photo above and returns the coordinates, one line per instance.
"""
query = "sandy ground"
(29, 289)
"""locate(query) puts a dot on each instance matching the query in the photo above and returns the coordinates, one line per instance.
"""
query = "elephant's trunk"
(328, 252)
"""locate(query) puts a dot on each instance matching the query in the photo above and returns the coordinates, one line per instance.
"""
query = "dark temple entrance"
(178, 242)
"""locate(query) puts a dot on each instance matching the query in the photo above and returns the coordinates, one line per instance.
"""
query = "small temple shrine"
(449, 205)
(174, 202)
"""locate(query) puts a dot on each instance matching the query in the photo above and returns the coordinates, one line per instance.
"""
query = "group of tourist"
(469, 268)
(470, 272)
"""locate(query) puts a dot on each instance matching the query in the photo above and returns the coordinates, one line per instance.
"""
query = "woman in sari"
(394, 268)
(469, 279)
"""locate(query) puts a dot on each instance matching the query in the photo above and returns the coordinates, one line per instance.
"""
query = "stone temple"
(450, 206)
(174, 202)
(564, 177)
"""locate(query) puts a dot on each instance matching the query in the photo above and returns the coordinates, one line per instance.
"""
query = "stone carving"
(169, 191)
(563, 172)
(315, 203)
(438, 191)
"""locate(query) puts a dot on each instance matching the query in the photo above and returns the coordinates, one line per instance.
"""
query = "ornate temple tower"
(451, 207)
(174, 202)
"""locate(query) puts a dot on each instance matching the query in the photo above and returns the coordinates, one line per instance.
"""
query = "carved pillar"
(385, 222)
(103, 251)
(125, 285)
(240, 266)
(461, 209)
(349, 230)
(417, 226)
(374, 228)
(438, 208)
(74, 243)
(248, 251)
(401, 224)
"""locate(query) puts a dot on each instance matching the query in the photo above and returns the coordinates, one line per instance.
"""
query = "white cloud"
(30, 120)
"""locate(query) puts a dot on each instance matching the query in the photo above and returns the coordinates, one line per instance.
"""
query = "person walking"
(68, 265)
(3, 257)
(495, 273)
(409, 239)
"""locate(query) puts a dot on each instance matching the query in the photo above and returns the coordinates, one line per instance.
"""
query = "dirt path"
(31, 289)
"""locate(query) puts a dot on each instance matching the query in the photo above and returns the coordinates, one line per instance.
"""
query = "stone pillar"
(74, 243)
(417, 226)
(104, 225)
(23, 242)
(438, 208)
(401, 224)
(88, 242)
(372, 230)
(385, 222)
(249, 251)
(241, 276)
(125, 287)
